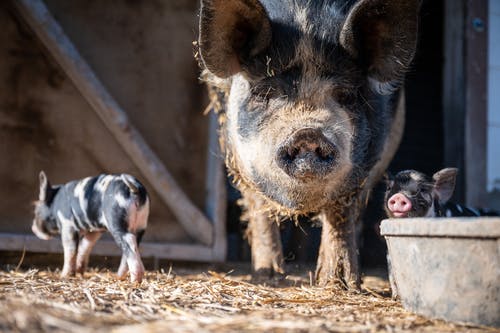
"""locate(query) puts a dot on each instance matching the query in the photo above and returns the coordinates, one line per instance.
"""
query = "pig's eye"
(260, 98)
(344, 96)
(261, 94)
(427, 196)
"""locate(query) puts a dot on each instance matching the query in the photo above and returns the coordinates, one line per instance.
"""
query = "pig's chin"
(296, 197)
(300, 204)
(399, 214)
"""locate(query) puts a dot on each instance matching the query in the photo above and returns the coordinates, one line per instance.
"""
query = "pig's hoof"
(135, 278)
(349, 282)
(263, 275)
(66, 275)
(80, 270)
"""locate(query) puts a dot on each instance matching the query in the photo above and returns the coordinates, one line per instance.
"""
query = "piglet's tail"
(130, 182)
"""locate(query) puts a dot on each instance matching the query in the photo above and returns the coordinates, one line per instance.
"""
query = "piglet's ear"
(388, 180)
(44, 186)
(444, 183)
(231, 33)
(382, 36)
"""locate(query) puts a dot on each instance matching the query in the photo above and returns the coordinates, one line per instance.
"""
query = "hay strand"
(200, 301)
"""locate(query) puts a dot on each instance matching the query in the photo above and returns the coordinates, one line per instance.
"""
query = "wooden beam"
(65, 53)
(216, 201)
(18, 242)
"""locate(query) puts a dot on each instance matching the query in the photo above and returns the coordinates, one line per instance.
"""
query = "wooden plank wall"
(142, 54)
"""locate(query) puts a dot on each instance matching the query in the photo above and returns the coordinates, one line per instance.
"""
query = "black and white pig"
(82, 210)
(311, 105)
(412, 193)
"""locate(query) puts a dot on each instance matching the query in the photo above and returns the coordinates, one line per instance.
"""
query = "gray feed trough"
(447, 268)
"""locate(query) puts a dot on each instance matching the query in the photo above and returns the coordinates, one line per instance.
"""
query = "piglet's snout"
(399, 203)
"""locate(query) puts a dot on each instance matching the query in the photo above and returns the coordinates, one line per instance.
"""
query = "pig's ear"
(44, 186)
(444, 183)
(231, 33)
(382, 36)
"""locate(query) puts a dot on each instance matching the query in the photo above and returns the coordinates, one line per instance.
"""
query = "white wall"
(494, 97)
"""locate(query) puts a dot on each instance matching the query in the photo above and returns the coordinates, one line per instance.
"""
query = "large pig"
(312, 111)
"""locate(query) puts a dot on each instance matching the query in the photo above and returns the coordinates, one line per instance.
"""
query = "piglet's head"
(44, 224)
(414, 194)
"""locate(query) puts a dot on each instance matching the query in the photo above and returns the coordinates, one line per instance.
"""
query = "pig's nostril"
(325, 154)
(320, 153)
(292, 153)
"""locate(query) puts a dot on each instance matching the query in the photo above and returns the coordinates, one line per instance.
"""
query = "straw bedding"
(200, 300)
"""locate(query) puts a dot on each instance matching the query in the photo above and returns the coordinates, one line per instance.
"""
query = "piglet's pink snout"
(399, 203)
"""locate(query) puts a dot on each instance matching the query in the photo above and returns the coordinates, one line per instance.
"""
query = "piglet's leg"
(134, 261)
(70, 245)
(130, 248)
(123, 269)
(84, 248)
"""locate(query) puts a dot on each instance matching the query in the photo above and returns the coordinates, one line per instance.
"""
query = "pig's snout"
(399, 205)
(307, 154)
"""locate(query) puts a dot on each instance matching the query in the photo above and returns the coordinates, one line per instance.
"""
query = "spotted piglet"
(414, 194)
(82, 210)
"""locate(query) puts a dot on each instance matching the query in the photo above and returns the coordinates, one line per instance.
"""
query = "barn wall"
(142, 52)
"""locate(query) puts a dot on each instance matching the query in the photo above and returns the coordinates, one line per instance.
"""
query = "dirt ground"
(198, 299)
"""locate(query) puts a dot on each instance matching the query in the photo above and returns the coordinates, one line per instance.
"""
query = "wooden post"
(454, 92)
(59, 45)
(216, 189)
(476, 88)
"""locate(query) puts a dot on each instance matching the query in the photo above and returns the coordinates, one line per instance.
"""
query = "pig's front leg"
(338, 255)
(70, 238)
(264, 238)
(84, 248)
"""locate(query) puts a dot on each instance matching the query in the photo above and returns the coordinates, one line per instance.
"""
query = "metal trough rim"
(459, 227)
